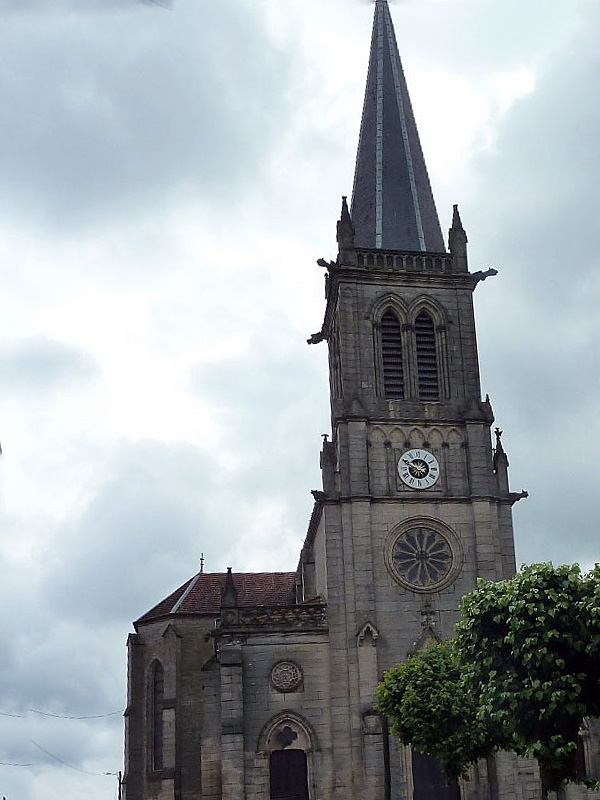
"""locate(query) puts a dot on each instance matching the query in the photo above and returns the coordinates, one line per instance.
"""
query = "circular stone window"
(286, 676)
(423, 555)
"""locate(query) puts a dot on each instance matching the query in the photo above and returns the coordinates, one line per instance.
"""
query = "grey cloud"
(42, 742)
(102, 116)
(540, 176)
(267, 400)
(41, 365)
(539, 336)
(264, 397)
(57, 667)
(126, 549)
(483, 37)
(79, 7)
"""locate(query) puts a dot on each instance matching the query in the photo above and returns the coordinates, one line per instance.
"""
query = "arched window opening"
(427, 367)
(289, 775)
(391, 356)
(158, 695)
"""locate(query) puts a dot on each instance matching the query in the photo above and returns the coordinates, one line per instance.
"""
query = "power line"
(66, 716)
(70, 766)
(58, 716)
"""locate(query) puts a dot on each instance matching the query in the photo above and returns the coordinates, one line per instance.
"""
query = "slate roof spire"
(392, 202)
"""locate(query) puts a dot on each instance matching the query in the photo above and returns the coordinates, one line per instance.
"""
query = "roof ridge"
(186, 593)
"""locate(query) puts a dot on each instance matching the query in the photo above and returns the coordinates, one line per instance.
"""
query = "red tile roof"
(202, 593)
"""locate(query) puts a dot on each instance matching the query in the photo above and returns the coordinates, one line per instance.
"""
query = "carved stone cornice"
(299, 617)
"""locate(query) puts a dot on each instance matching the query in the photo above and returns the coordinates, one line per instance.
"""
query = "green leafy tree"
(429, 707)
(522, 673)
(530, 650)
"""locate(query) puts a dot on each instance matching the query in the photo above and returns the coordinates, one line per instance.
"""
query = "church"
(260, 686)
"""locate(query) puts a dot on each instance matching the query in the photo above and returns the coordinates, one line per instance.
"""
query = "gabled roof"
(392, 203)
(201, 595)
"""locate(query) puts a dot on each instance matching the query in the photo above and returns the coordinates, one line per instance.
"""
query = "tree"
(429, 707)
(526, 669)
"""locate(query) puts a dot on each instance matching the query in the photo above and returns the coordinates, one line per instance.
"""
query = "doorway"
(429, 781)
(289, 775)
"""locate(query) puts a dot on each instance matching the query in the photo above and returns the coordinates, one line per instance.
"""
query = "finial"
(456, 221)
(457, 241)
(229, 592)
(325, 437)
(201, 563)
(345, 227)
(345, 211)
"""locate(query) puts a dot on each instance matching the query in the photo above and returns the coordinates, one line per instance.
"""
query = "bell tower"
(415, 503)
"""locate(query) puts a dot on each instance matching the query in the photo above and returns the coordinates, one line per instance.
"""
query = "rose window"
(421, 558)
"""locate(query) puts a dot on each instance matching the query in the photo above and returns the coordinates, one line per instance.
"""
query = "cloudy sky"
(169, 173)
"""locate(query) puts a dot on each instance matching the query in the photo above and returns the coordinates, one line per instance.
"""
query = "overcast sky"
(169, 175)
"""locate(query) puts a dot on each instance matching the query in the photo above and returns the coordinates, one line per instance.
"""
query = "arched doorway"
(288, 775)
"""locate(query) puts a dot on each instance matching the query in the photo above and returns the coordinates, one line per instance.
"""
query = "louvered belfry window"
(391, 356)
(427, 368)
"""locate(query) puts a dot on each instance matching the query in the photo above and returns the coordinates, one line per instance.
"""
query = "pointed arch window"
(427, 364)
(391, 356)
(158, 696)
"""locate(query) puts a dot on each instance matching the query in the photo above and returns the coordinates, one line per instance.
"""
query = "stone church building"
(260, 686)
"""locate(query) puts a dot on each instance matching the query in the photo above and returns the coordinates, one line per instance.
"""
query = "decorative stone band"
(405, 262)
(277, 618)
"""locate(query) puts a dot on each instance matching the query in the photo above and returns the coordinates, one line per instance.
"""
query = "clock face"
(419, 469)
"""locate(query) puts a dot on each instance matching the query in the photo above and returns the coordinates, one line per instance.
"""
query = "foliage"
(530, 650)
(426, 702)
(522, 673)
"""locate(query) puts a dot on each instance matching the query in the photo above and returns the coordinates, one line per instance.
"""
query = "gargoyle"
(481, 276)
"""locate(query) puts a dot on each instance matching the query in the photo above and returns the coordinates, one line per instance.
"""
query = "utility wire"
(70, 766)
(66, 716)
(58, 716)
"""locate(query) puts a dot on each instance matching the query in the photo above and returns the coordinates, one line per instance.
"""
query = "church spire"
(392, 203)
